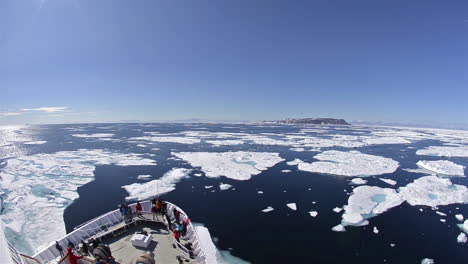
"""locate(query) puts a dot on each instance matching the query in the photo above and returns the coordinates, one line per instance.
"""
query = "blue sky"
(87, 60)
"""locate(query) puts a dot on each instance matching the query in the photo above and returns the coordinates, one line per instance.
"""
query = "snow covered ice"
(388, 181)
(358, 181)
(349, 163)
(461, 238)
(240, 165)
(313, 213)
(50, 182)
(268, 209)
(443, 167)
(292, 206)
(224, 186)
(446, 151)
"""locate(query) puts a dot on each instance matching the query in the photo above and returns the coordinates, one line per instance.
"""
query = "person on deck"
(176, 215)
(138, 208)
(72, 258)
(84, 248)
(59, 248)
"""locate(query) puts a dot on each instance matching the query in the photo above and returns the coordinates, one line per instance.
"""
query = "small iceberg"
(427, 261)
(313, 213)
(375, 230)
(388, 181)
(292, 206)
(459, 217)
(461, 238)
(358, 181)
(443, 167)
(144, 177)
(225, 186)
(339, 228)
(337, 209)
(268, 209)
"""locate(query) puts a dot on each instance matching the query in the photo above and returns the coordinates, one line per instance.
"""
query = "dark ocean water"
(234, 217)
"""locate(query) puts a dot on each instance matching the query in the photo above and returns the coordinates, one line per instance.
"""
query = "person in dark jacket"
(59, 248)
(176, 215)
(84, 248)
(70, 244)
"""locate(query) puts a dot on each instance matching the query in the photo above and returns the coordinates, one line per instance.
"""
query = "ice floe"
(349, 163)
(427, 261)
(208, 186)
(441, 214)
(461, 238)
(459, 217)
(375, 230)
(49, 182)
(443, 167)
(369, 201)
(144, 177)
(337, 209)
(313, 213)
(39, 142)
(464, 226)
(292, 206)
(461, 151)
(388, 181)
(268, 209)
(229, 142)
(165, 184)
(286, 171)
(169, 139)
(260, 192)
(294, 162)
(96, 135)
(434, 191)
(339, 228)
(225, 186)
(240, 165)
(358, 181)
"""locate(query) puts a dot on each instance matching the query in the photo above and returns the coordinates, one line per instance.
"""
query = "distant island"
(316, 121)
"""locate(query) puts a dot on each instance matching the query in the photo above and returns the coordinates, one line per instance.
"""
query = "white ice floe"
(375, 230)
(443, 167)
(286, 171)
(165, 184)
(427, 261)
(228, 142)
(294, 162)
(39, 142)
(434, 191)
(369, 201)
(141, 145)
(441, 214)
(292, 206)
(459, 217)
(169, 139)
(337, 209)
(260, 192)
(96, 135)
(385, 140)
(208, 186)
(240, 165)
(464, 226)
(349, 163)
(339, 228)
(358, 181)
(224, 186)
(461, 238)
(212, 254)
(388, 181)
(268, 209)
(297, 149)
(41, 186)
(144, 177)
(313, 213)
(461, 151)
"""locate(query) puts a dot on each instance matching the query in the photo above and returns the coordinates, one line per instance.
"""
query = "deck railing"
(101, 224)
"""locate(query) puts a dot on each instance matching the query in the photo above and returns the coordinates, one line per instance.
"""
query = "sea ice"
(169, 139)
(224, 186)
(443, 167)
(375, 230)
(292, 206)
(461, 151)
(268, 209)
(349, 163)
(391, 182)
(358, 181)
(434, 191)
(228, 142)
(40, 142)
(49, 182)
(260, 192)
(369, 201)
(313, 213)
(97, 135)
(441, 214)
(209, 187)
(427, 261)
(286, 171)
(144, 177)
(461, 238)
(459, 217)
(294, 162)
(339, 228)
(337, 209)
(443, 220)
(165, 184)
(240, 165)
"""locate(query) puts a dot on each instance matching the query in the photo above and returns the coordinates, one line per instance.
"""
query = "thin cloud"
(47, 109)
(10, 114)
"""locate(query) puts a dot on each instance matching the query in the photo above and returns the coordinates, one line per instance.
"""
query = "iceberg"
(445, 151)
(358, 181)
(165, 184)
(240, 165)
(49, 182)
(375, 230)
(286, 171)
(349, 163)
(441, 214)
(144, 177)
(337, 209)
(434, 191)
(268, 209)
(339, 228)
(313, 213)
(461, 238)
(427, 261)
(459, 217)
(443, 167)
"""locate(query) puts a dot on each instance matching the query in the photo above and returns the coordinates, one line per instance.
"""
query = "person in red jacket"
(72, 257)
(138, 208)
